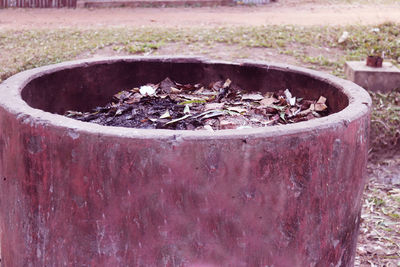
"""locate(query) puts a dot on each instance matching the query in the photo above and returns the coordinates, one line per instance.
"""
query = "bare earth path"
(283, 12)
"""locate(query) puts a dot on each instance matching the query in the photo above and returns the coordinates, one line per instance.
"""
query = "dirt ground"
(298, 12)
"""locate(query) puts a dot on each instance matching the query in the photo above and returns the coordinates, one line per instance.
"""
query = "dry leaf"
(217, 85)
(237, 109)
(304, 112)
(175, 90)
(166, 85)
(178, 119)
(166, 115)
(212, 106)
(186, 110)
(267, 101)
(321, 100)
(252, 97)
(135, 90)
(147, 90)
(227, 83)
(289, 98)
(134, 98)
(320, 107)
(343, 37)
(122, 95)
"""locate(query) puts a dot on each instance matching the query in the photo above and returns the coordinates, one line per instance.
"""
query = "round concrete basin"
(79, 194)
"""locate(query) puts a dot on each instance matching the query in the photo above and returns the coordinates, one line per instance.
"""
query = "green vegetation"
(26, 49)
(385, 121)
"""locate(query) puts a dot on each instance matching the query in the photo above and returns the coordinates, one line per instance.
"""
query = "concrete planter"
(80, 194)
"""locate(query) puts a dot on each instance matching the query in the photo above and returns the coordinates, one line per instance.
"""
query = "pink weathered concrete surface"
(80, 194)
(384, 79)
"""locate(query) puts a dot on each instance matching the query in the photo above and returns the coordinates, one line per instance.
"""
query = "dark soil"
(220, 105)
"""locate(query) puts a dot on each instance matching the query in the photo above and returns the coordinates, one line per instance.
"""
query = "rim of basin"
(11, 99)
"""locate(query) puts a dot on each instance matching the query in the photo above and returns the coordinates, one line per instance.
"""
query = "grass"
(385, 122)
(314, 47)
(26, 49)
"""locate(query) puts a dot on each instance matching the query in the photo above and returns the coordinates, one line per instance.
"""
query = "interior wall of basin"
(85, 87)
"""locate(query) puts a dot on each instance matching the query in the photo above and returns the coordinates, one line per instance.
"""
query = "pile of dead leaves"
(220, 105)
